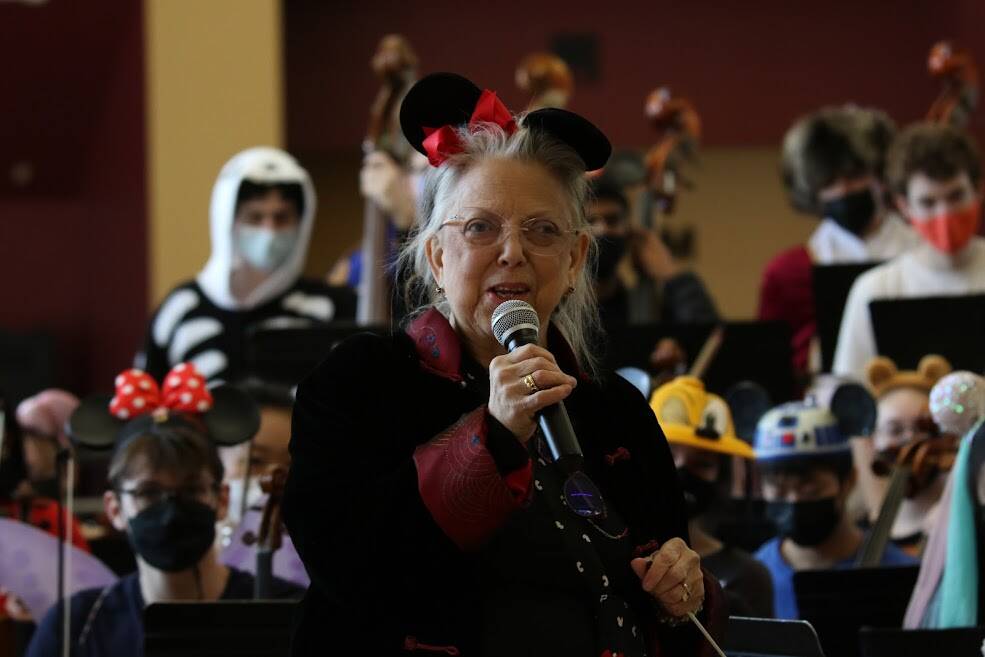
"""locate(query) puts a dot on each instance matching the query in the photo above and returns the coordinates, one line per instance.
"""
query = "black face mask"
(611, 250)
(699, 494)
(174, 534)
(853, 212)
(805, 523)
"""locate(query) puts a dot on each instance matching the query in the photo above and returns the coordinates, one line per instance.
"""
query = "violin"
(395, 64)
(916, 466)
(958, 74)
(547, 78)
(270, 535)
(678, 128)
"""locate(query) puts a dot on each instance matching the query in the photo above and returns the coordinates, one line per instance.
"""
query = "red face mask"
(951, 231)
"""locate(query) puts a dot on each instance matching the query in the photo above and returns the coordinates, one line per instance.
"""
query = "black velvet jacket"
(402, 485)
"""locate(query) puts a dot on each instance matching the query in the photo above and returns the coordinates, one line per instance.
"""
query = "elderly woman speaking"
(423, 498)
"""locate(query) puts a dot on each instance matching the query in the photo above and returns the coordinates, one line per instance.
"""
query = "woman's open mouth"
(508, 291)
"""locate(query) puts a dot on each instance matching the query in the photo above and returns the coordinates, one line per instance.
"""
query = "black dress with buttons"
(387, 581)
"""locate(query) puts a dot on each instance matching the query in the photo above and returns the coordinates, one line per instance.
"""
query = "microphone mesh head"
(511, 315)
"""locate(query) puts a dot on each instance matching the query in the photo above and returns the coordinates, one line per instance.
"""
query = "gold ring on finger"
(687, 592)
(531, 384)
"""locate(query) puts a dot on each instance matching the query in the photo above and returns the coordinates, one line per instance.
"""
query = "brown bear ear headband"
(882, 375)
(227, 415)
(440, 103)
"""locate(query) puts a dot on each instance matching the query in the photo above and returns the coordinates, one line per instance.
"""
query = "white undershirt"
(830, 244)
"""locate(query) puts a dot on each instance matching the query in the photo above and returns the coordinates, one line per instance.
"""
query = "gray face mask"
(265, 249)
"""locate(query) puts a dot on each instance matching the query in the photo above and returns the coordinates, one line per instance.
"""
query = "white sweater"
(920, 272)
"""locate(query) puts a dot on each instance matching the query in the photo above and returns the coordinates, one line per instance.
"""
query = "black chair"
(959, 642)
(766, 637)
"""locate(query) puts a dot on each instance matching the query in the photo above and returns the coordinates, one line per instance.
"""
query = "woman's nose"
(511, 251)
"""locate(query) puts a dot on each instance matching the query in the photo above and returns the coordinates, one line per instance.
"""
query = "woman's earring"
(571, 289)
(440, 291)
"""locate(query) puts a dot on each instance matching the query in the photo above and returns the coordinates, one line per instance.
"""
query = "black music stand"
(957, 642)
(831, 284)
(906, 330)
(838, 603)
(287, 355)
(228, 628)
(753, 351)
(766, 637)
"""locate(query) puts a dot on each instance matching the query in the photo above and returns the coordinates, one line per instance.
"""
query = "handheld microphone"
(515, 323)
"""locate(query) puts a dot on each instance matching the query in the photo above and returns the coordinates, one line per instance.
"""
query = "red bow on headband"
(441, 143)
(138, 394)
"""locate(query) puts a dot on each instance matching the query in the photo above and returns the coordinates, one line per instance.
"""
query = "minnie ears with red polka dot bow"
(440, 102)
(228, 415)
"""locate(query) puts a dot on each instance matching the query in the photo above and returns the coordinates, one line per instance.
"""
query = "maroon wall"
(750, 67)
(73, 246)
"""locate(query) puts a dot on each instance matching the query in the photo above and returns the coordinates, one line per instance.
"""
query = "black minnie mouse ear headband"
(228, 415)
(441, 102)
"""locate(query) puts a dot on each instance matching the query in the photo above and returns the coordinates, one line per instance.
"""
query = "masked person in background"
(935, 173)
(261, 215)
(807, 475)
(626, 252)
(166, 494)
(832, 167)
(699, 429)
(245, 464)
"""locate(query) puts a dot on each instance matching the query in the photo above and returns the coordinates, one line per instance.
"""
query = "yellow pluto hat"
(691, 416)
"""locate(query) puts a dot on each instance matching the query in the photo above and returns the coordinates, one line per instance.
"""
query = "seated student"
(805, 464)
(832, 168)
(622, 249)
(245, 464)
(903, 403)
(699, 429)
(166, 494)
(261, 216)
(935, 172)
(42, 420)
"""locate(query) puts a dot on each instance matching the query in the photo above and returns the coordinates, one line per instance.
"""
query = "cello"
(958, 74)
(269, 536)
(395, 64)
(678, 129)
(547, 78)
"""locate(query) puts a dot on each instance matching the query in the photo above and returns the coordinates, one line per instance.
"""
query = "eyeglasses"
(539, 235)
(148, 496)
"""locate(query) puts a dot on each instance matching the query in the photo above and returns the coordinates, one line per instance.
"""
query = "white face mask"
(265, 249)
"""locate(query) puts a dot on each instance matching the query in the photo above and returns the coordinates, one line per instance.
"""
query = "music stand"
(756, 351)
(287, 355)
(227, 628)
(954, 642)
(906, 330)
(766, 637)
(831, 285)
(840, 602)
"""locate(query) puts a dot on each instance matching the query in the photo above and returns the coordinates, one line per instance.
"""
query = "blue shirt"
(110, 622)
(784, 600)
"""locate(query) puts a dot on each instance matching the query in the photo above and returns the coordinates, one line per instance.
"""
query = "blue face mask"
(265, 249)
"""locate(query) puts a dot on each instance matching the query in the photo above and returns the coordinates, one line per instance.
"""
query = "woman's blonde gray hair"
(577, 314)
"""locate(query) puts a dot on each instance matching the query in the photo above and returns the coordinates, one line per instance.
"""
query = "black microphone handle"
(555, 425)
(559, 435)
